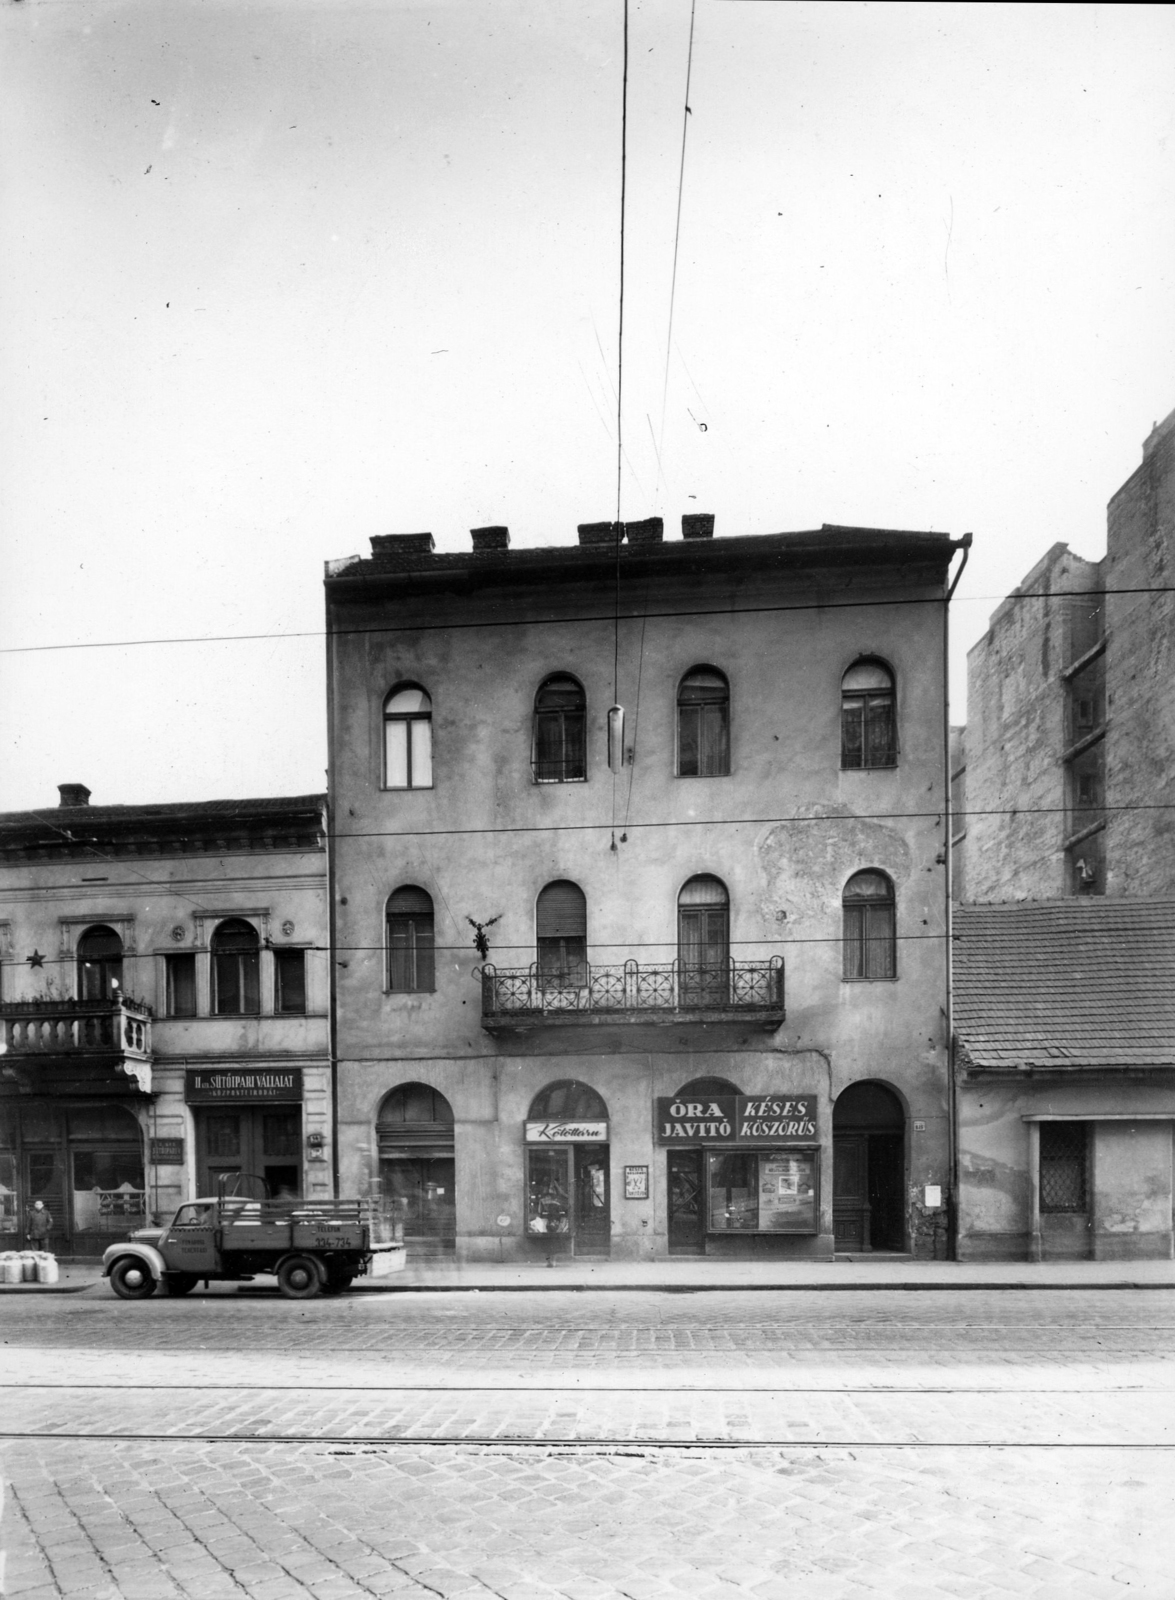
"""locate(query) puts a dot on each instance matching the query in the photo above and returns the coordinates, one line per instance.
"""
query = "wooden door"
(593, 1212)
(704, 951)
(850, 1191)
(687, 1200)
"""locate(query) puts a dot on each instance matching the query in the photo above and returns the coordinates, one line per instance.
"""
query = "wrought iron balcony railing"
(60, 1027)
(633, 993)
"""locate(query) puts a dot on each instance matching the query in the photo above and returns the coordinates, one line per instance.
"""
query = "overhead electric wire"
(685, 116)
(562, 621)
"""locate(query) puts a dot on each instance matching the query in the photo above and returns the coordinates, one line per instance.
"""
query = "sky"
(284, 274)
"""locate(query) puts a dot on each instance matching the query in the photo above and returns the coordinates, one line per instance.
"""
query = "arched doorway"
(417, 1168)
(568, 1188)
(869, 1169)
(686, 1177)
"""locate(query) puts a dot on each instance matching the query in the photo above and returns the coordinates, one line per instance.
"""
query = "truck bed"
(254, 1226)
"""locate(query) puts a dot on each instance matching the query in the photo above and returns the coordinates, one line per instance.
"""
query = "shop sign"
(167, 1152)
(566, 1132)
(205, 1084)
(737, 1119)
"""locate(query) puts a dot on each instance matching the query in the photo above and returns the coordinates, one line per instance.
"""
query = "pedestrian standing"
(39, 1226)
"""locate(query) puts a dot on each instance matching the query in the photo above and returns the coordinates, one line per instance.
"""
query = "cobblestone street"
(579, 1445)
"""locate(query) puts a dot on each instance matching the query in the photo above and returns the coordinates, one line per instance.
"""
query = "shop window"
(411, 965)
(559, 746)
(870, 942)
(289, 982)
(868, 725)
(561, 936)
(408, 738)
(1064, 1163)
(762, 1191)
(106, 1158)
(99, 964)
(703, 724)
(703, 942)
(181, 985)
(236, 984)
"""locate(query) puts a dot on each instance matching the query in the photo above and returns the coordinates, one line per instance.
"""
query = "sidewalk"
(700, 1275)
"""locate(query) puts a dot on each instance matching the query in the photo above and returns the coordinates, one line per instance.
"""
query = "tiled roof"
(1066, 984)
(64, 816)
(57, 832)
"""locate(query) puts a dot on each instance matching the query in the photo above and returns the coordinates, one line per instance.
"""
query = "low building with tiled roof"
(1064, 1021)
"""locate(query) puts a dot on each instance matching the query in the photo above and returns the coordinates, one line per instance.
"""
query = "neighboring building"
(164, 1004)
(712, 960)
(1064, 777)
(1065, 1061)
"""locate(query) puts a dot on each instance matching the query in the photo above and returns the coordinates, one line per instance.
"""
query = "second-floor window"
(868, 727)
(181, 985)
(408, 738)
(560, 709)
(561, 935)
(99, 964)
(236, 978)
(411, 964)
(703, 724)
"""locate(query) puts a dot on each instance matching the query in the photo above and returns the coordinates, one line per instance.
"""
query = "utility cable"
(686, 114)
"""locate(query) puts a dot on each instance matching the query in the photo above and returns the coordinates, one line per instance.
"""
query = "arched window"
(411, 1109)
(99, 964)
(703, 941)
(568, 1101)
(703, 724)
(408, 738)
(868, 725)
(561, 935)
(417, 1166)
(236, 986)
(560, 710)
(707, 1089)
(411, 964)
(870, 935)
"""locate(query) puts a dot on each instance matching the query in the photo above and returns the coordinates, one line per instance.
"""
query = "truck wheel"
(181, 1282)
(338, 1280)
(131, 1279)
(298, 1279)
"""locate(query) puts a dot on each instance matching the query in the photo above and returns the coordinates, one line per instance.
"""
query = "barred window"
(870, 935)
(703, 724)
(868, 729)
(411, 966)
(1063, 1166)
(560, 714)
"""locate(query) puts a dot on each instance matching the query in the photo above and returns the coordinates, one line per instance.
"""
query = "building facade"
(638, 888)
(1064, 777)
(164, 1000)
(1065, 1061)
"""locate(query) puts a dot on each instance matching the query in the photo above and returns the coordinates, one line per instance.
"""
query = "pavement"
(866, 1444)
(694, 1274)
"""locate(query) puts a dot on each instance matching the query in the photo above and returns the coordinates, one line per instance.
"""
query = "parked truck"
(313, 1246)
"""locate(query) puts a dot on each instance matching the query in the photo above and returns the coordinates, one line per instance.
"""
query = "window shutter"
(561, 912)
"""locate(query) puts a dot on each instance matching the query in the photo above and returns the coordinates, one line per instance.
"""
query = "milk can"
(28, 1266)
(10, 1267)
(47, 1271)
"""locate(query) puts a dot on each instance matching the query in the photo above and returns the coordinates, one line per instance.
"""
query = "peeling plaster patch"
(805, 865)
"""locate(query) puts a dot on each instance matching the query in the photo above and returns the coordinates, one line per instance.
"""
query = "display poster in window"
(203, 1085)
(636, 1183)
(737, 1119)
(787, 1193)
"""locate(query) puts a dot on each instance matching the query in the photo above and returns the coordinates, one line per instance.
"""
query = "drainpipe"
(948, 880)
(331, 874)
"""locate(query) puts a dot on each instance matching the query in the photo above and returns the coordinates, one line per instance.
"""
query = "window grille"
(1063, 1163)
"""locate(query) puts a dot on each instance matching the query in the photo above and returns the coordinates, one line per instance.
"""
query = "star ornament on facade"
(36, 959)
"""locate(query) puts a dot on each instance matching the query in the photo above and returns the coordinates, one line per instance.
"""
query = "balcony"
(58, 1044)
(730, 991)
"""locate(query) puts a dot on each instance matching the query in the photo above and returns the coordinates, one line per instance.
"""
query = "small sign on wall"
(636, 1183)
(167, 1152)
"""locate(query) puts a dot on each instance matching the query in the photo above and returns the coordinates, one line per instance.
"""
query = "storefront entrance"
(83, 1162)
(417, 1168)
(258, 1141)
(687, 1203)
(869, 1169)
(568, 1184)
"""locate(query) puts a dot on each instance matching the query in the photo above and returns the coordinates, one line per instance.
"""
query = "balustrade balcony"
(523, 997)
(59, 1033)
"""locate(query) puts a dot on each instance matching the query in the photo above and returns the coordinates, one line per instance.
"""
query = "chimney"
(73, 794)
(650, 531)
(601, 532)
(697, 525)
(402, 544)
(487, 540)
